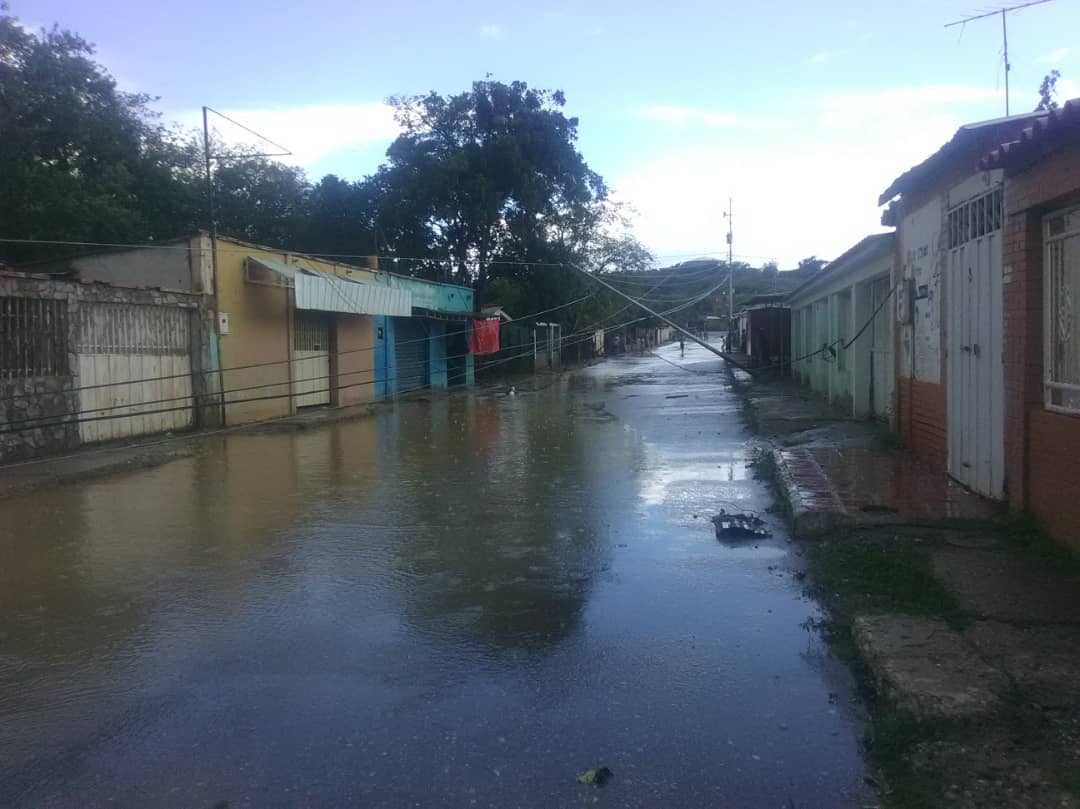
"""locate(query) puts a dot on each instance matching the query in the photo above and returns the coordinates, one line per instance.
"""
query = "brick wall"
(1054, 473)
(1042, 449)
(921, 419)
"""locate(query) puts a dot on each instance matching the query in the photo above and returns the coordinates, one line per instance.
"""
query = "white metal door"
(311, 359)
(975, 382)
(134, 370)
(881, 345)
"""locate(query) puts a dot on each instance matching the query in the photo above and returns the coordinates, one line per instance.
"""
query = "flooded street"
(462, 601)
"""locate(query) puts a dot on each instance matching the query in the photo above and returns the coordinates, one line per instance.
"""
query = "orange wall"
(355, 359)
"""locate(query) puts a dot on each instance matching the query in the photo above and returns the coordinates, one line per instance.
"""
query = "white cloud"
(311, 133)
(1053, 57)
(820, 58)
(682, 117)
(491, 31)
(808, 188)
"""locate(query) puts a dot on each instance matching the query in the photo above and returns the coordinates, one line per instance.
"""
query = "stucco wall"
(921, 259)
(173, 265)
(353, 369)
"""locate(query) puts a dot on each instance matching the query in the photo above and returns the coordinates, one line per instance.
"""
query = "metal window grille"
(124, 328)
(975, 218)
(311, 331)
(1061, 312)
(33, 337)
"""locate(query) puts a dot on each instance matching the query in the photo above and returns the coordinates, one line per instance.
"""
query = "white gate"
(975, 381)
(311, 359)
(133, 359)
(881, 347)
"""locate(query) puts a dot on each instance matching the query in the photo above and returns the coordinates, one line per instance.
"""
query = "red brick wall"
(1054, 473)
(1042, 449)
(921, 419)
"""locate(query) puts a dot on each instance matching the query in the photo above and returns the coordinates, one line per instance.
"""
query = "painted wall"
(921, 259)
(352, 366)
(837, 308)
(256, 353)
(431, 295)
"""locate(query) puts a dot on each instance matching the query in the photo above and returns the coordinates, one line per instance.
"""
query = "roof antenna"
(1004, 35)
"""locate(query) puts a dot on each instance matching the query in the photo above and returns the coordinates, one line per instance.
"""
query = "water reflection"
(460, 585)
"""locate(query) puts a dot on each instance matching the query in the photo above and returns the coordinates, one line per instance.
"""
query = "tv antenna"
(1004, 34)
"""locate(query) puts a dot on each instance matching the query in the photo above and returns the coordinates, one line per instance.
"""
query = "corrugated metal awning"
(332, 293)
(447, 314)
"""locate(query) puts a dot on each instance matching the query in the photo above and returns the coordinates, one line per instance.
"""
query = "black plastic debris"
(739, 526)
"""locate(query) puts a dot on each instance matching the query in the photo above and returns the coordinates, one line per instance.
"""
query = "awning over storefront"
(326, 292)
(332, 293)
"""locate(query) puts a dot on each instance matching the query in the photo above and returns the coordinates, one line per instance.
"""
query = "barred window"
(33, 337)
(975, 218)
(1061, 311)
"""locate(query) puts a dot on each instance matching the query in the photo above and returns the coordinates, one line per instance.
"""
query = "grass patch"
(1023, 534)
(891, 741)
(870, 578)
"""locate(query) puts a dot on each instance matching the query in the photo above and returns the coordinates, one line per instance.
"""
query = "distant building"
(842, 328)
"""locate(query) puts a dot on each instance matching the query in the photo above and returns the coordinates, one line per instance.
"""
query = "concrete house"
(950, 394)
(295, 331)
(847, 304)
(1041, 317)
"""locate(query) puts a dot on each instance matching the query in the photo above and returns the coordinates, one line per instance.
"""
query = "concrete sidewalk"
(836, 472)
(966, 625)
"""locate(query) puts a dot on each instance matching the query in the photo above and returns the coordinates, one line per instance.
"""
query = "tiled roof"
(970, 142)
(1053, 129)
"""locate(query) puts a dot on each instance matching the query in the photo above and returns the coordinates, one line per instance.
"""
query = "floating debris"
(599, 776)
(739, 526)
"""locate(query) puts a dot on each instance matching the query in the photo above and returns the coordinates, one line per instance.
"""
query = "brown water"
(463, 601)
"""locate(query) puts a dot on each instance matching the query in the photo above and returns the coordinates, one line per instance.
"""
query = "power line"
(314, 254)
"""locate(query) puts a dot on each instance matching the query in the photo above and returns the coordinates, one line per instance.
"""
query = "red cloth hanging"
(485, 337)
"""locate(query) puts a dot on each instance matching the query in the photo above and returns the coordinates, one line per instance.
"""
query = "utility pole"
(731, 281)
(208, 157)
(695, 338)
(1004, 35)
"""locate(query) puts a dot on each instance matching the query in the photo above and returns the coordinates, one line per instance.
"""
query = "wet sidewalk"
(967, 626)
(834, 472)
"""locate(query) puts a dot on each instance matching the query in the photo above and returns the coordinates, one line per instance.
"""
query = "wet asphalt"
(466, 600)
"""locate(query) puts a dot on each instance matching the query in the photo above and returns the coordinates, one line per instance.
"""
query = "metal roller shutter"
(410, 355)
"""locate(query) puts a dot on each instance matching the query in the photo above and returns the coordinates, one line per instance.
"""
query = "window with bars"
(975, 218)
(1061, 311)
(33, 337)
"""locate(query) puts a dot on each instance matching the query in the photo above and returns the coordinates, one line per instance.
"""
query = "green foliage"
(868, 577)
(1048, 91)
(485, 187)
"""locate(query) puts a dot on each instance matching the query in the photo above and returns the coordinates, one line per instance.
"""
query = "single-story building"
(295, 331)
(1041, 318)
(763, 332)
(841, 328)
(950, 397)
(85, 362)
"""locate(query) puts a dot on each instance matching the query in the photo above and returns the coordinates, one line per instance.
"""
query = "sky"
(801, 113)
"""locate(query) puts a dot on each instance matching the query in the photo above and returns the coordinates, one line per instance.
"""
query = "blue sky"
(803, 112)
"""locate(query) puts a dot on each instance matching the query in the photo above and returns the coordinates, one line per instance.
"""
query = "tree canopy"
(485, 187)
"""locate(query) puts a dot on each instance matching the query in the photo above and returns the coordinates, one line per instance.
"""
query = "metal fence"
(33, 337)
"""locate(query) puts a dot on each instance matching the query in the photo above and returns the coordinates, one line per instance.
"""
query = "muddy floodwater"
(461, 601)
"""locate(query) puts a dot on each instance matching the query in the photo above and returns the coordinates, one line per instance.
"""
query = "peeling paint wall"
(921, 258)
